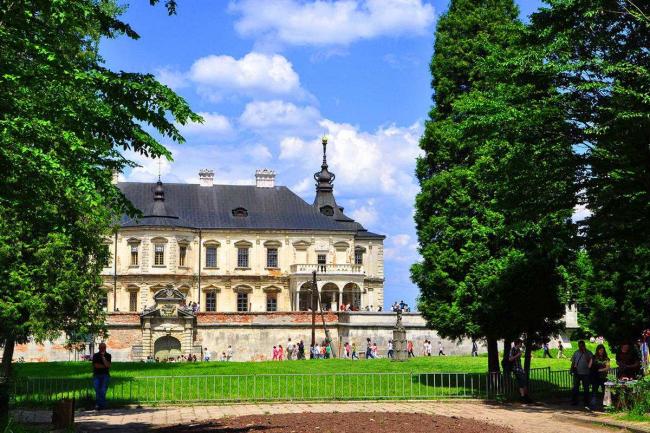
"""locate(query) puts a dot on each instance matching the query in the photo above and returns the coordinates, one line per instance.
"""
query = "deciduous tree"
(65, 122)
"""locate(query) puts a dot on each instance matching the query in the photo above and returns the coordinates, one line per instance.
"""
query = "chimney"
(206, 177)
(264, 178)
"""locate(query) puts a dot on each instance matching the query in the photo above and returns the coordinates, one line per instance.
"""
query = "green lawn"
(461, 364)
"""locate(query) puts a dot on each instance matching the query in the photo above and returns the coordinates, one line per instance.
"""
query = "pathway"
(522, 419)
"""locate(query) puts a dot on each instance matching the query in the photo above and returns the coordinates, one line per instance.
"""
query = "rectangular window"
(133, 301)
(159, 255)
(103, 301)
(134, 255)
(322, 259)
(182, 254)
(271, 302)
(242, 257)
(211, 301)
(211, 257)
(272, 258)
(358, 257)
(242, 302)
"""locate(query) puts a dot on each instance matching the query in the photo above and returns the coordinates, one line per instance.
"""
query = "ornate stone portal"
(168, 329)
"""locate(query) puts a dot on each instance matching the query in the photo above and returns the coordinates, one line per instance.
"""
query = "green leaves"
(65, 120)
(498, 182)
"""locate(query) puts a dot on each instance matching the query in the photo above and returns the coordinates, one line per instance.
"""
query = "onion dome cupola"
(158, 212)
(325, 201)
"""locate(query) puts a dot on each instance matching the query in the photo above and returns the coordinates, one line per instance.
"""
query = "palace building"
(242, 248)
(246, 256)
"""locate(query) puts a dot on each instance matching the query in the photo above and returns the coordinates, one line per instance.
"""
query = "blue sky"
(271, 77)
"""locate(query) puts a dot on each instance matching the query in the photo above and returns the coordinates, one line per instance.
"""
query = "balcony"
(346, 269)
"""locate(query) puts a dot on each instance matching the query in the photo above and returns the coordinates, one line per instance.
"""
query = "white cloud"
(265, 114)
(255, 72)
(171, 78)
(339, 22)
(401, 248)
(367, 214)
(291, 147)
(364, 163)
(213, 123)
(148, 168)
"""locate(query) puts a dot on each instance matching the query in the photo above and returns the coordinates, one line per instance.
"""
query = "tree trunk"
(528, 356)
(506, 347)
(493, 365)
(5, 376)
(493, 355)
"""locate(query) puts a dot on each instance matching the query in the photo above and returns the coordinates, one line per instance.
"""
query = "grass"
(449, 364)
(422, 377)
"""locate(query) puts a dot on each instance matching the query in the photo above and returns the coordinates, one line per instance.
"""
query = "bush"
(641, 403)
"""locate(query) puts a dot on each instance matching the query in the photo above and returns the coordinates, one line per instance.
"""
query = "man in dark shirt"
(101, 366)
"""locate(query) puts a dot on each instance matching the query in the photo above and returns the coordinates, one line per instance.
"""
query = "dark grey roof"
(195, 206)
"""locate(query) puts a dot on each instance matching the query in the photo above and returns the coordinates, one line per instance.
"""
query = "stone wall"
(253, 335)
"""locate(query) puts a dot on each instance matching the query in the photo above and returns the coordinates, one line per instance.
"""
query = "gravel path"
(518, 418)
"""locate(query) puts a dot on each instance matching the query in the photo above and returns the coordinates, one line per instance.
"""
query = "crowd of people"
(400, 306)
(590, 371)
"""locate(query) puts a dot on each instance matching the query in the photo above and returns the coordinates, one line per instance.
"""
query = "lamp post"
(314, 289)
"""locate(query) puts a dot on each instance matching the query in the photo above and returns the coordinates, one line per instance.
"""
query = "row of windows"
(211, 257)
(210, 301)
(243, 304)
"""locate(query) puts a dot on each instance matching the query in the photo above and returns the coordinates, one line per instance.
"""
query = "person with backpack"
(581, 370)
(514, 360)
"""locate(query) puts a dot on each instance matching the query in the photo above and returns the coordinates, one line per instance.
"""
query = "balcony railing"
(327, 269)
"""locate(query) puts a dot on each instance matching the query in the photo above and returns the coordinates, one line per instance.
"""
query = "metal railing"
(291, 387)
(345, 268)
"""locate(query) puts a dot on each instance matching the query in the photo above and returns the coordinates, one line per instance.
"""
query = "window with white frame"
(159, 255)
(358, 256)
(211, 256)
(211, 301)
(271, 302)
(133, 300)
(272, 258)
(242, 257)
(242, 301)
(103, 301)
(182, 255)
(134, 255)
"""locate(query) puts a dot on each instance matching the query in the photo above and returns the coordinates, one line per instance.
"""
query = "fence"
(289, 387)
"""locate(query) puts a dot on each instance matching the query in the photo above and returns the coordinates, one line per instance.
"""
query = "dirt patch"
(351, 422)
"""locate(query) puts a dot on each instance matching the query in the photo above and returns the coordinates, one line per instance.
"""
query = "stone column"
(399, 340)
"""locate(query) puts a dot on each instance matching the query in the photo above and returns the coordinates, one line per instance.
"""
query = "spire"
(324, 178)
(159, 191)
(325, 201)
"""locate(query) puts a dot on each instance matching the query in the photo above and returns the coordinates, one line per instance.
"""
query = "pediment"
(169, 294)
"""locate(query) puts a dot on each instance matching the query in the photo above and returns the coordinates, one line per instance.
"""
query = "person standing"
(599, 370)
(280, 353)
(301, 350)
(229, 353)
(547, 350)
(206, 354)
(474, 348)
(580, 369)
(101, 375)
(354, 351)
(368, 349)
(390, 349)
(409, 349)
(560, 349)
(515, 364)
(290, 348)
(628, 361)
(441, 350)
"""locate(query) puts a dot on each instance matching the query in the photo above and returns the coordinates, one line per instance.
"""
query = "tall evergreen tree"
(453, 224)
(498, 190)
(600, 52)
